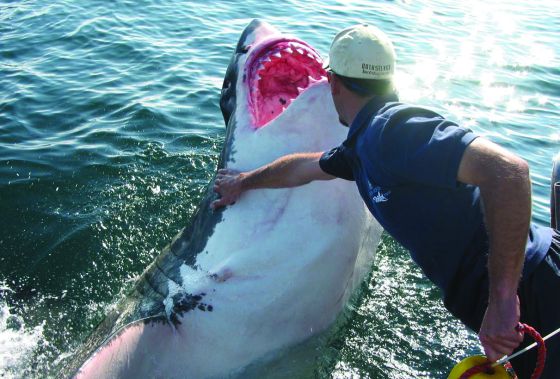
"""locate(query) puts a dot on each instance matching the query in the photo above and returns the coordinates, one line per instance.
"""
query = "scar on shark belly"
(222, 275)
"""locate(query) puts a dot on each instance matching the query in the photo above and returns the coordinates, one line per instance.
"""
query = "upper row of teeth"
(290, 49)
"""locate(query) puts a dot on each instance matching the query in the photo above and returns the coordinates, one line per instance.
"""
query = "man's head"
(361, 64)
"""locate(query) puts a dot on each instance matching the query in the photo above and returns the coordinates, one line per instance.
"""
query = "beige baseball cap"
(362, 52)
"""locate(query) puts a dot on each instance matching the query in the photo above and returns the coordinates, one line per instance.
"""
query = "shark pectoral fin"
(135, 351)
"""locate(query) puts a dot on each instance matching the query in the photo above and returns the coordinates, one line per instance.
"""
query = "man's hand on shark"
(229, 186)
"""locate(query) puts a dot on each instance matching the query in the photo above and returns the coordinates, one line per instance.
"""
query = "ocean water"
(110, 131)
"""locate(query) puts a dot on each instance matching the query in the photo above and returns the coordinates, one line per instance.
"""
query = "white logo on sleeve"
(377, 194)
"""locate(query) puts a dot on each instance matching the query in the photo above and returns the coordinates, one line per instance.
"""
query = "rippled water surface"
(110, 130)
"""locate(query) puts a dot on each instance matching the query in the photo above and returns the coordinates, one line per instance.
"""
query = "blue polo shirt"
(404, 160)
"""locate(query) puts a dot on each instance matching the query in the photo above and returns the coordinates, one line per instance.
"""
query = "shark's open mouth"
(277, 72)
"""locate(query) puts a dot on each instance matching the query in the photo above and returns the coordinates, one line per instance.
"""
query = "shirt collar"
(364, 115)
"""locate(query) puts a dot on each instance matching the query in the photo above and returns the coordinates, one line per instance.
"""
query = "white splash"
(17, 342)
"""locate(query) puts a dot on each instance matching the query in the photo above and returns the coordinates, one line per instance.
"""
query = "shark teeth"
(278, 74)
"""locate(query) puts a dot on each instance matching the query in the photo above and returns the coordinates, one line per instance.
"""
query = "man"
(459, 203)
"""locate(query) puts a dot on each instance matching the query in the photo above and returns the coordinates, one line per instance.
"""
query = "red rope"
(541, 356)
(541, 352)
(485, 368)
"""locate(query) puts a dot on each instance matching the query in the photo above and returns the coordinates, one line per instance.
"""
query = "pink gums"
(277, 73)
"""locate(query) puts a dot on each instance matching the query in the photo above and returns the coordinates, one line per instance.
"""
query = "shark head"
(275, 99)
(272, 70)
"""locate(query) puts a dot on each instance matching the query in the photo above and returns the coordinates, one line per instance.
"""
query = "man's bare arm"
(287, 171)
(505, 187)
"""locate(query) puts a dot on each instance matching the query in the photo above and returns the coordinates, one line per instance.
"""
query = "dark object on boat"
(555, 194)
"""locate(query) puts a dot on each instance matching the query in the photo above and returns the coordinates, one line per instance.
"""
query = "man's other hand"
(498, 333)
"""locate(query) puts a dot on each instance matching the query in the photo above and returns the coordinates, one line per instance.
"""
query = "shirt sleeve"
(425, 149)
(336, 162)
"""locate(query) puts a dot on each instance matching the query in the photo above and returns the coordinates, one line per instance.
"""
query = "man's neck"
(354, 106)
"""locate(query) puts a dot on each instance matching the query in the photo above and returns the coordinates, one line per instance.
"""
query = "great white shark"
(263, 275)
